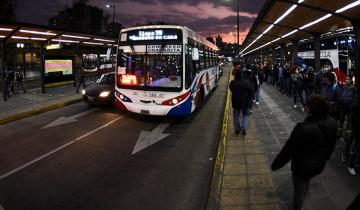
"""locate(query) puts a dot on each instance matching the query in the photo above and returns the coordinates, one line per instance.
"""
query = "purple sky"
(207, 17)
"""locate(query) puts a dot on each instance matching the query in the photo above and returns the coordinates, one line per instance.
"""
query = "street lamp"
(113, 6)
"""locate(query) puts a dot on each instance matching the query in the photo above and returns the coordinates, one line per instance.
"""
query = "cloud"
(208, 17)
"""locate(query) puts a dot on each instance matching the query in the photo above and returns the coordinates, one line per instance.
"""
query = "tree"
(7, 10)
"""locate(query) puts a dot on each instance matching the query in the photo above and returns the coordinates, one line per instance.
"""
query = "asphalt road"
(88, 163)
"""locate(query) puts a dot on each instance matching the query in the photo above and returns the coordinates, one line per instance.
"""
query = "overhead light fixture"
(76, 37)
(1, 36)
(6, 29)
(316, 21)
(349, 6)
(93, 43)
(65, 41)
(38, 32)
(39, 39)
(19, 37)
(286, 13)
(103, 40)
(290, 33)
(268, 29)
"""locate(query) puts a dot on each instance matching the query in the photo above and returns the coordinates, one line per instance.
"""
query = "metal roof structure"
(283, 21)
(15, 32)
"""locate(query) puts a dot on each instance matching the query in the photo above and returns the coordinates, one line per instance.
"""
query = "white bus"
(164, 70)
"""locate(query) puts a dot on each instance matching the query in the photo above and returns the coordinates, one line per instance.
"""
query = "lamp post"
(113, 6)
(238, 23)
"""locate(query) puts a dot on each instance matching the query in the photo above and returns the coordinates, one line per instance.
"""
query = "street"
(88, 163)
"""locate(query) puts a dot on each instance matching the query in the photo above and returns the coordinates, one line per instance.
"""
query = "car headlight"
(104, 94)
(83, 92)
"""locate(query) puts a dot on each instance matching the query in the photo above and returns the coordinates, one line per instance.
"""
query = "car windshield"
(106, 79)
(150, 71)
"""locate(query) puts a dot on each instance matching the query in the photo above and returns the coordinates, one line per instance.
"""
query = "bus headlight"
(104, 94)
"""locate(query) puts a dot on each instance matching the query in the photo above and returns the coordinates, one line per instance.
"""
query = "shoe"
(243, 131)
(302, 109)
(343, 158)
(352, 171)
(250, 112)
(257, 103)
(295, 106)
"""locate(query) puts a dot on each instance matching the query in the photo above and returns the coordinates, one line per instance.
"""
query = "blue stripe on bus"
(182, 109)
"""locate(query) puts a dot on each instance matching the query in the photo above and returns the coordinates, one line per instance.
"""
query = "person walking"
(19, 77)
(298, 87)
(332, 94)
(10, 76)
(309, 147)
(80, 77)
(258, 79)
(242, 94)
(352, 150)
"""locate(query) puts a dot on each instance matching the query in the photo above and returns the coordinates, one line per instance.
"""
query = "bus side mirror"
(195, 54)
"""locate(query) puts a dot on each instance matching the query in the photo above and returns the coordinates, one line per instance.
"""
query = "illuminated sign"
(152, 35)
(167, 49)
(332, 55)
(64, 66)
(53, 46)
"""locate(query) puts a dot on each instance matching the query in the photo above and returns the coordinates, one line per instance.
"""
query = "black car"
(102, 92)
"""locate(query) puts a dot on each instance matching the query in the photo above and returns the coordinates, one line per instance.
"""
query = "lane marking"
(58, 149)
(66, 120)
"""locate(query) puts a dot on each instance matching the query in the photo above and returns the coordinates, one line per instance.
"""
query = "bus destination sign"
(152, 35)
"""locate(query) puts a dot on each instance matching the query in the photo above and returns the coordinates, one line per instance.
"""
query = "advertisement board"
(58, 72)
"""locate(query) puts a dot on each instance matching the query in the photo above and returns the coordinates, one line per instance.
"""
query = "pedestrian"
(309, 147)
(297, 82)
(242, 95)
(332, 94)
(352, 150)
(309, 83)
(319, 79)
(236, 68)
(258, 79)
(347, 97)
(19, 77)
(10, 76)
(80, 77)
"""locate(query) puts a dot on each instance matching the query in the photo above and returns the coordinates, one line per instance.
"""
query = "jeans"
(245, 118)
(257, 94)
(298, 93)
(301, 188)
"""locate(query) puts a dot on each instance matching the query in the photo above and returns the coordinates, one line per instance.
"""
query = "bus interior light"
(6, 29)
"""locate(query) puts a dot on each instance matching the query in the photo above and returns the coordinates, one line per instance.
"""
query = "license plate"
(90, 98)
(145, 111)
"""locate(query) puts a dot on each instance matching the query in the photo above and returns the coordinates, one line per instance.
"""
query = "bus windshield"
(150, 71)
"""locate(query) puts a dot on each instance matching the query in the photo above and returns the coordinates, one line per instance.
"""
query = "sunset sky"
(207, 17)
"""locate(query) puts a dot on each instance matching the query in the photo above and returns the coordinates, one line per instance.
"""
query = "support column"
(282, 54)
(2, 69)
(356, 25)
(42, 67)
(294, 52)
(98, 61)
(74, 64)
(23, 62)
(317, 66)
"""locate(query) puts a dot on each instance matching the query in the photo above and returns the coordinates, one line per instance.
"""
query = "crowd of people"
(333, 114)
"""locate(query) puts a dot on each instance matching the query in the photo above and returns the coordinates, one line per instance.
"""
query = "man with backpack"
(242, 94)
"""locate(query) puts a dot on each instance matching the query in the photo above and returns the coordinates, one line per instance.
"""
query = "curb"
(39, 110)
(216, 182)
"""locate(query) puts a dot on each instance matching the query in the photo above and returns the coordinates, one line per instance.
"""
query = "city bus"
(164, 70)
(335, 51)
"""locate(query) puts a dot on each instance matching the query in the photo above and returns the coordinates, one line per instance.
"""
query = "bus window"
(190, 67)
(202, 56)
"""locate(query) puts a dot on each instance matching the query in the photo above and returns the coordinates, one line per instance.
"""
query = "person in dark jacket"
(332, 93)
(242, 95)
(309, 146)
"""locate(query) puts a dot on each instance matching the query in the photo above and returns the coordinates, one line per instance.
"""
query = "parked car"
(102, 92)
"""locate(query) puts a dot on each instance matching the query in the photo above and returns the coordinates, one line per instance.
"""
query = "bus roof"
(188, 32)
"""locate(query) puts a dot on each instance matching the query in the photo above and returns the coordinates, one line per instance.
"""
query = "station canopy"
(282, 21)
(28, 33)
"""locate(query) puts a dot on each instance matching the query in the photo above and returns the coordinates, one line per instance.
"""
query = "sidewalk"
(246, 181)
(34, 102)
